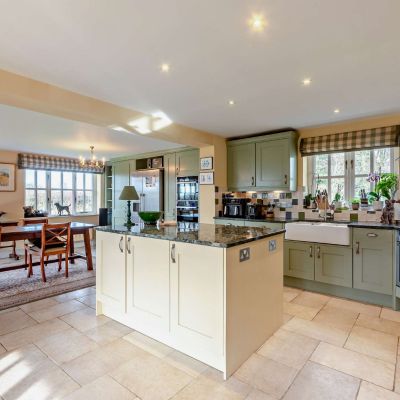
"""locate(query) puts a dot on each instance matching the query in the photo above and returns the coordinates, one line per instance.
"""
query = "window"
(45, 188)
(347, 173)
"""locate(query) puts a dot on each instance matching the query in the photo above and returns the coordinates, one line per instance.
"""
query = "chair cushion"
(38, 243)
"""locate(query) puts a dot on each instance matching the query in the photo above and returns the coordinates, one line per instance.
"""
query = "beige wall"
(344, 126)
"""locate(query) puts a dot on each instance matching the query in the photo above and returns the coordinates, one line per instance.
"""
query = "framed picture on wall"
(206, 163)
(206, 178)
(7, 177)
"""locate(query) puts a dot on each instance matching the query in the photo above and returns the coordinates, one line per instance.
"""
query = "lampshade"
(129, 193)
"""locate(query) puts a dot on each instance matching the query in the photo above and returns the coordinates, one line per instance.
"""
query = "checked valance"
(351, 141)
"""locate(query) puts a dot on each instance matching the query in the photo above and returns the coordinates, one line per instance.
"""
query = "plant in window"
(386, 186)
(355, 204)
(338, 197)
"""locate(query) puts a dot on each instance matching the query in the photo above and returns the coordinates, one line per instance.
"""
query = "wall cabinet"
(322, 263)
(170, 186)
(187, 163)
(373, 260)
(263, 163)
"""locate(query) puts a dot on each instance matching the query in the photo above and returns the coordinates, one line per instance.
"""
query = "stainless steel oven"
(187, 195)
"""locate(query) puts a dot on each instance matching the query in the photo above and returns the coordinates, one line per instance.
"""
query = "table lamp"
(129, 193)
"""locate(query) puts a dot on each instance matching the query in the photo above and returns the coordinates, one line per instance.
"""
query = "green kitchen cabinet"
(373, 260)
(121, 171)
(299, 260)
(170, 186)
(266, 224)
(333, 264)
(272, 165)
(241, 166)
(235, 222)
(187, 163)
(267, 162)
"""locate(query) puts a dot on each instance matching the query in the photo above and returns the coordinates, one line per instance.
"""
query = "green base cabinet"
(373, 260)
(262, 224)
(299, 260)
(333, 265)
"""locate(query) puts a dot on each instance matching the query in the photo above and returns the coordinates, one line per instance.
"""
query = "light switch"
(272, 245)
(244, 254)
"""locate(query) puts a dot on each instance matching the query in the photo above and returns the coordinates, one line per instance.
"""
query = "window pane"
(55, 180)
(362, 162)
(88, 201)
(29, 178)
(337, 164)
(88, 181)
(382, 160)
(79, 180)
(55, 198)
(321, 164)
(30, 198)
(361, 183)
(42, 200)
(322, 184)
(79, 206)
(67, 180)
(337, 186)
(41, 179)
(67, 198)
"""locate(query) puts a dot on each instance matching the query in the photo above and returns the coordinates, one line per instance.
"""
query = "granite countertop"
(351, 224)
(203, 234)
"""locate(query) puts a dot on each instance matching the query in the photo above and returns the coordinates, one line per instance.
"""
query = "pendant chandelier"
(92, 162)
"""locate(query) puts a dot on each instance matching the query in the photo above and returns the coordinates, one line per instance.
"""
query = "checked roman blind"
(351, 141)
(52, 163)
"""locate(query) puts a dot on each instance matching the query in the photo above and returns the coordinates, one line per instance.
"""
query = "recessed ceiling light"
(165, 67)
(306, 81)
(231, 102)
(336, 111)
(257, 22)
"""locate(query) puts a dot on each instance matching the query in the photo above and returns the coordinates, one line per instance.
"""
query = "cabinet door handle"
(372, 234)
(319, 252)
(310, 252)
(357, 247)
(285, 179)
(121, 249)
(128, 245)
(173, 253)
(252, 181)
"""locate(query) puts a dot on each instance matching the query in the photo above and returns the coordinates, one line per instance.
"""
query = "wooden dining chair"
(33, 221)
(55, 241)
(12, 245)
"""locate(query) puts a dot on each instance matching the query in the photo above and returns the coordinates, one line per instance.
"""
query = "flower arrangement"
(386, 186)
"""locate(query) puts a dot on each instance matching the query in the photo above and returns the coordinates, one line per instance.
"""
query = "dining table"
(29, 232)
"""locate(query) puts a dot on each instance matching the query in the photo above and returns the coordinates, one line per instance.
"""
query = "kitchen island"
(213, 292)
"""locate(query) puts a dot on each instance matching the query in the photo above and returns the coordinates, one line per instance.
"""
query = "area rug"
(17, 289)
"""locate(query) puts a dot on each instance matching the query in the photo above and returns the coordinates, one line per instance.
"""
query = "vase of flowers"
(386, 186)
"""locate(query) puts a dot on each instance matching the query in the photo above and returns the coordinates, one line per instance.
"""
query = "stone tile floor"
(328, 348)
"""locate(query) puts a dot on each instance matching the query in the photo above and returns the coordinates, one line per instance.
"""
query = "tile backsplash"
(290, 205)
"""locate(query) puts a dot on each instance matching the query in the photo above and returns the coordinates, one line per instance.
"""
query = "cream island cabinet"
(213, 292)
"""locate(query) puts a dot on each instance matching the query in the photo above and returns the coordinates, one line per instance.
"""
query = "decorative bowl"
(150, 217)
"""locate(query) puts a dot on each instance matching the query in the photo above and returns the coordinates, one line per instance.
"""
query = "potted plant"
(355, 204)
(337, 200)
(386, 186)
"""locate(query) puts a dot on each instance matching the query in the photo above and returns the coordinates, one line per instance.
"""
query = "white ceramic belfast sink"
(319, 232)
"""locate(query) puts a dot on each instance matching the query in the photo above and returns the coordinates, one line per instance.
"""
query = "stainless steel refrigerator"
(150, 188)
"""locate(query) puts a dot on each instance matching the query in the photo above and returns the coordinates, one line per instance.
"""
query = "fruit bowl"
(150, 217)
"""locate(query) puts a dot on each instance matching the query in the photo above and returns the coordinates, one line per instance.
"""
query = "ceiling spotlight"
(165, 67)
(257, 22)
(306, 82)
(336, 111)
(231, 102)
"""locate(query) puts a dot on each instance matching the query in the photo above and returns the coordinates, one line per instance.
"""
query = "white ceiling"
(22, 130)
(112, 50)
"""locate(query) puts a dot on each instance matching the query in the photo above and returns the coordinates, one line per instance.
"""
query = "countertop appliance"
(235, 208)
(149, 186)
(187, 198)
(254, 210)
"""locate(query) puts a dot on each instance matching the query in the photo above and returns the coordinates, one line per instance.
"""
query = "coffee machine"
(234, 208)
(254, 211)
